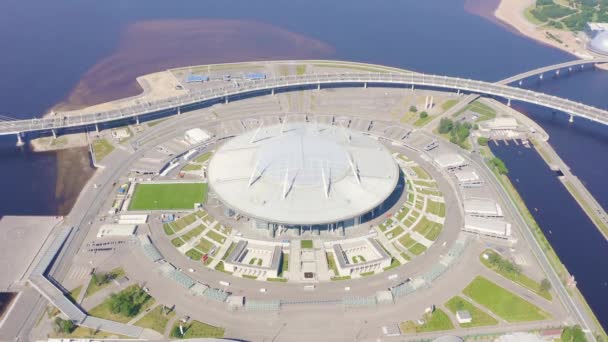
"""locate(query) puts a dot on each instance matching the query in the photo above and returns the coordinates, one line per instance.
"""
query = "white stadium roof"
(302, 173)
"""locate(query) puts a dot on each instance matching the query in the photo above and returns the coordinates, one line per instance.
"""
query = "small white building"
(254, 260)
(360, 256)
(451, 161)
(133, 219)
(463, 316)
(486, 226)
(196, 136)
(112, 230)
(482, 207)
(502, 124)
(468, 179)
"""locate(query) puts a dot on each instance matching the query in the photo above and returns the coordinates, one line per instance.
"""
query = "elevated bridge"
(556, 69)
(175, 105)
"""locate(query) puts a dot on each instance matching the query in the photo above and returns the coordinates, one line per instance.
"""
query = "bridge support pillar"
(179, 110)
(571, 120)
(458, 92)
(570, 69)
(54, 134)
(97, 128)
(540, 76)
(557, 72)
(509, 102)
(412, 87)
(137, 120)
(319, 86)
(19, 140)
(272, 91)
(226, 100)
(364, 84)
(521, 82)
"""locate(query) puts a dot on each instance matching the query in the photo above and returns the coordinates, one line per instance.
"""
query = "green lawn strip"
(104, 310)
(587, 208)
(448, 104)
(410, 198)
(428, 184)
(216, 236)
(277, 280)
(75, 293)
(503, 303)
(331, 263)
(156, 319)
(338, 278)
(194, 232)
(301, 69)
(423, 121)
(420, 173)
(395, 232)
(196, 329)
(417, 249)
(101, 148)
(436, 321)
(205, 245)
(385, 224)
(88, 333)
(478, 317)
(93, 287)
(178, 242)
(365, 274)
(516, 277)
(284, 264)
(168, 229)
(402, 213)
(394, 263)
(411, 244)
(306, 244)
(220, 267)
(194, 254)
(229, 250)
(203, 157)
(429, 192)
(168, 196)
(435, 208)
(428, 229)
(192, 167)
(250, 276)
(184, 222)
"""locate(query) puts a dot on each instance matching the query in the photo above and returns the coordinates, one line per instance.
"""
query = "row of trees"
(499, 165)
(129, 301)
(458, 131)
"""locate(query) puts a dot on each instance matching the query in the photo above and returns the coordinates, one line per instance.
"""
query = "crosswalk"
(78, 272)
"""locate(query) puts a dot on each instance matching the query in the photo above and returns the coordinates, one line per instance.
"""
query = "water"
(78, 53)
(581, 247)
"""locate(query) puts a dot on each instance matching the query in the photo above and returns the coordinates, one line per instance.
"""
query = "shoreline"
(511, 13)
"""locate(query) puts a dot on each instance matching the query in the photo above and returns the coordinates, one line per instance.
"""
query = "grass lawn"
(278, 280)
(306, 244)
(518, 278)
(423, 121)
(216, 237)
(448, 104)
(192, 167)
(394, 263)
(205, 245)
(479, 317)
(220, 267)
(428, 184)
(250, 276)
(331, 263)
(86, 333)
(402, 213)
(340, 278)
(178, 242)
(385, 224)
(168, 196)
(229, 250)
(395, 232)
(155, 320)
(101, 148)
(365, 274)
(503, 303)
(420, 173)
(284, 264)
(104, 311)
(167, 229)
(428, 229)
(483, 111)
(203, 157)
(435, 208)
(196, 231)
(75, 293)
(411, 244)
(184, 222)
(194, 254)
(196, 329)
(301, 69)
(435, 321)
(93, 288)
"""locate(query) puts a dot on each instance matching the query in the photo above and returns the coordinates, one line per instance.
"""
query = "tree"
(424, 115)
(445, 125)
(413, 109)
(483, 141)
(128, 302)
(545, 285)
(64, 326)
(573, 334)
(499, 165)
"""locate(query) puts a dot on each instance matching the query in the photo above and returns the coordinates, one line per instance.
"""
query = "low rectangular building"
(450, 162)
(124, 230)
(468, 179)
(133, 219)
(360, 256)
(482, 207)
(254, 260)
(196, 136)
(485, 226)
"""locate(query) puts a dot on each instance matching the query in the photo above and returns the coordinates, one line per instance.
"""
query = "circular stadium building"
(305, 176)
(599, 43)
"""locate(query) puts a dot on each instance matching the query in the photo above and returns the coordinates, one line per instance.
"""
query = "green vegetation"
(278, 280)
(499, 166)
(428, 184)
(413, 109)
(428, 229)
(100, 280)
(423, 119)
(167, 229)
(458, 132)
(178, 242)
(572, 15)
(194, 232)
(420, 173)
(193, 254)
(447, 105)
(411, 244)
(205, 245)
(63, 326)
(358, 259)
(331, 263)
(192, 167)
(435, 321)
(435, 208)
(478, 316)
(511, 271)
(216, 236)
(385, 224)
(101, 148)
(573, 334)
(123, 306)
(75, 293)
(156, 319)
(284, 264)
(365, 274)
(402, 213)
(483, 111)
(168, 196)
(503, 303)
(394, 263)
(306, 244)
(196, 329)
(483, 141)
(301, 69)
(229, 250)
(250, 276)
(203, 157)
(394, 232)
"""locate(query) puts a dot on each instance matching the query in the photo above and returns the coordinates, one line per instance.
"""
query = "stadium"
(305, 176)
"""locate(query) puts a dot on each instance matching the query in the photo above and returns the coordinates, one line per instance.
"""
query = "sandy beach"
(511, 12)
